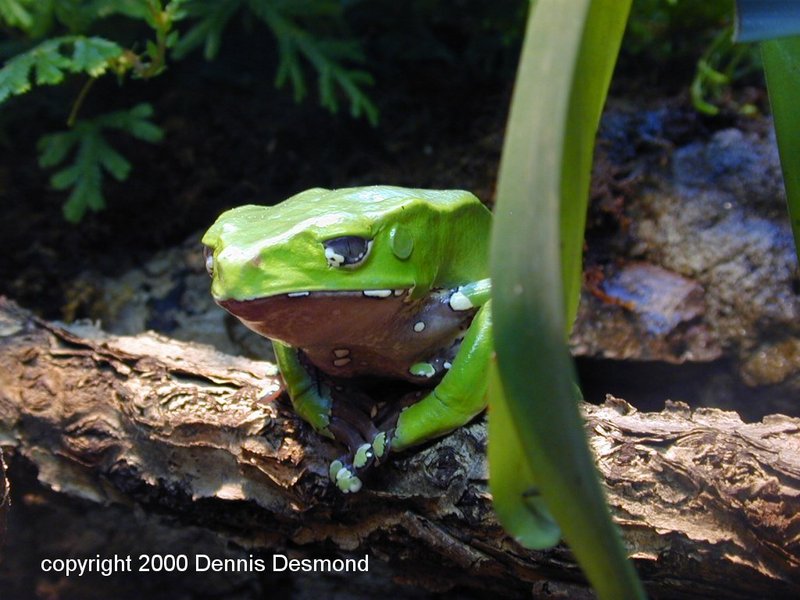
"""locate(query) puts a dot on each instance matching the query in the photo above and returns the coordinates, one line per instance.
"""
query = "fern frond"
(327, 55)
(52, 59)
(211, 19)
(93, 156)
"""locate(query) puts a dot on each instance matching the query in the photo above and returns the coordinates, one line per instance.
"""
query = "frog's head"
(378, 241)
(355, 239)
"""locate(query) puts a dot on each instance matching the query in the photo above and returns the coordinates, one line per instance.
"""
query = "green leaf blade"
(782, 68)
(568, 56)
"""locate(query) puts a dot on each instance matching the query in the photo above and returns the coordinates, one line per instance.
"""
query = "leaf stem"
(76, 106)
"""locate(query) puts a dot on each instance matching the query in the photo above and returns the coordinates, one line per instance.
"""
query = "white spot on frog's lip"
(419, 326)
(398, 292)
(210, 264)
(377, 293)
(458, 301)
(297, 294)
(341, 352)
(341, 362)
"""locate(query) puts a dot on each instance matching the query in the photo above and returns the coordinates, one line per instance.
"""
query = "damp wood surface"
(176, 435)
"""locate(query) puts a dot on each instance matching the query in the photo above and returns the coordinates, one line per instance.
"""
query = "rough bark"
(708, 505)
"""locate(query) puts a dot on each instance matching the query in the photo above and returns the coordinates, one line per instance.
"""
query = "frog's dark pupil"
(351, 248)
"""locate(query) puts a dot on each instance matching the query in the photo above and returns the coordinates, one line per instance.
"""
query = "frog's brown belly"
(349, 334)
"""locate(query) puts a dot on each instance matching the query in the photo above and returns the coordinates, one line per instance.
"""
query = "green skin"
(359, 284)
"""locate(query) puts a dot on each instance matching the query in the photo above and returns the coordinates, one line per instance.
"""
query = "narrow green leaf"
(15, 14)
(85, 195)
(145, 130)
(143, 110)
(65, 178)
(112, 161)
(53, 148)
(172, 39)
(151, 49)
(514, 493)
(782, 68)
(211, 19)
(536, 259)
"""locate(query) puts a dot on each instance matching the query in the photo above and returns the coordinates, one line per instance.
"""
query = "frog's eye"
(208, 253)
(346, 251)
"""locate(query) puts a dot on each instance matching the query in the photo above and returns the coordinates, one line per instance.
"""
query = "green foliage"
(673, 29)
(17, 13)
(677, 31)
(720, 65)
(48, 62)
(782, 68)
(307, 31)
(93, 155)
(542, 196)
(292, 24)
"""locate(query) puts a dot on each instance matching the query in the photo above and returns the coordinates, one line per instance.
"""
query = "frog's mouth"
(319, 317)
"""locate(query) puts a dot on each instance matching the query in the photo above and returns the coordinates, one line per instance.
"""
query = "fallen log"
(708, 505)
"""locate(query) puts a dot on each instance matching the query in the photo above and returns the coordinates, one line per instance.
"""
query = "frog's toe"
(372, 453)
(364, 456)
(344, 478)
(381, 444)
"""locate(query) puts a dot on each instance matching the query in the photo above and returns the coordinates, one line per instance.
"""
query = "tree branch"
(708, 505)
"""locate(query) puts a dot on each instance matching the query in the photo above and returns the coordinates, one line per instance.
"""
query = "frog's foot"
(346, 471)
(344, 477)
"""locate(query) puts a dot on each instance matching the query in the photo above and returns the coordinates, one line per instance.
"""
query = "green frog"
(362, 285)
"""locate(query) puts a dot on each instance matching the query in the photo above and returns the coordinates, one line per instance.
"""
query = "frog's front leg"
(313, 401)
(310, 397)
(459, 397)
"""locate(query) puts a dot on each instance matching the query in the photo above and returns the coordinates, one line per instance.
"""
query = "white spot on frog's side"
(297, 294)
(447, 365)
(458, 301)
(341, 352)
(334, 260)
(377, 293)
(398, 292)
(419, 326)
(340, 362)
(423, 369)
